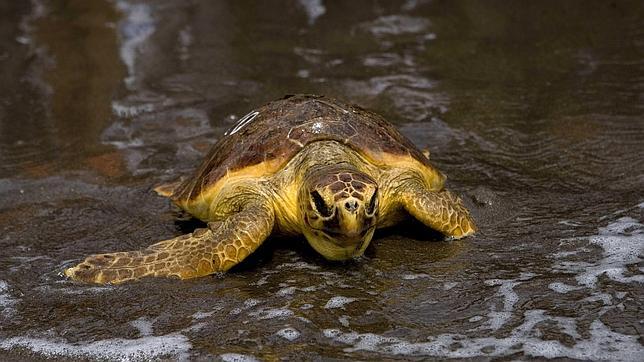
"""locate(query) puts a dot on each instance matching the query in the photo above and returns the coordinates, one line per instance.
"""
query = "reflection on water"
(534, 110)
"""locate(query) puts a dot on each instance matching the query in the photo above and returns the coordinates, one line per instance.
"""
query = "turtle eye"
(320, 205)
(371, 207)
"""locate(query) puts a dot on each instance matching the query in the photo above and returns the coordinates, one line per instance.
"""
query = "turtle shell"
(264, 140)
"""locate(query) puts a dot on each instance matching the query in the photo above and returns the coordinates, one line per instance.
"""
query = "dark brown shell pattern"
(278, 130)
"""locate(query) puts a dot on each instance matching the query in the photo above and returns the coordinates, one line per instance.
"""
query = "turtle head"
(339, 207)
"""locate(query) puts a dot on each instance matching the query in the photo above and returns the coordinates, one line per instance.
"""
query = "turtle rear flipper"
(203, 252)
(167, 190)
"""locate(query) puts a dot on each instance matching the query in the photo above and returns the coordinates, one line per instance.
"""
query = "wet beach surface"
(535, 111)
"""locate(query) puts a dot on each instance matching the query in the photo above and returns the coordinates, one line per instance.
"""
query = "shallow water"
(535, 110)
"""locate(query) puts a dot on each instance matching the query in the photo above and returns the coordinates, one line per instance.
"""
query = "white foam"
(562, 288)
(202, 315)
(135, 29)
(250, 302)
(606, 299)
(305, 320)
(344, 320)
(409, 5)
(338, 302)
(272, 313)
(569, 223)
(263, 280)
(195, 327)
(415, 276)
(6, 301)
(286, 291)
(76, 291)
(497, 318)
(145, 348)
(313, 9)
(235, 311)
(396, 25)
(143, 325)
(414, 97)
(387, 60)
(303, 73)
(622, 242)
(381, 84)
(449, 285)
(311, 288)
(603, 344)
(289, 333)
(236, 357)
(126, 110)
(563, 254)
(185, 40)
(300, 265)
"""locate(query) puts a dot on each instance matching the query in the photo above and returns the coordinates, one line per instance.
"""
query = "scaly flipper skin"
(205, 251)
(439, 210)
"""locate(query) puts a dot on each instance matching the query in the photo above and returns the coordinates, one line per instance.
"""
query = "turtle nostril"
(351, 206)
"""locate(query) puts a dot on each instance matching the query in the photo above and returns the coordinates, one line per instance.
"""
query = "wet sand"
(534, 110)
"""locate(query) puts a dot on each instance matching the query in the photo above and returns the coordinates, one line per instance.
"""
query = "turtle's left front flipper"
(440, 210)
(203, 252)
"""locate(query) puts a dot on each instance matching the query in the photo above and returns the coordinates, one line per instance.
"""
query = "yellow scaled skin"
(328, 192)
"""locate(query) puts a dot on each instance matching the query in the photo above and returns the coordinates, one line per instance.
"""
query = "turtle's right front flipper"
(203, 252)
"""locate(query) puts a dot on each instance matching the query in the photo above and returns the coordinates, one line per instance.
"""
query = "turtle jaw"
(339, 247)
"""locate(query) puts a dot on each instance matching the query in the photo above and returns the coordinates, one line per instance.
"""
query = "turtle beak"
(346, 234)
(353, 220)
(338, 247)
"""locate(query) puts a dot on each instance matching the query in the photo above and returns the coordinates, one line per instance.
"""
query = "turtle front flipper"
(440, 210)
(205, 251)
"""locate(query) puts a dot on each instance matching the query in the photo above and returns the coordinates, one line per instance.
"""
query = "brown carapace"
(303, 165)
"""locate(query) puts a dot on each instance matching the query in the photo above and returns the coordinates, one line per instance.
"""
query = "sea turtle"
(303, 165)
